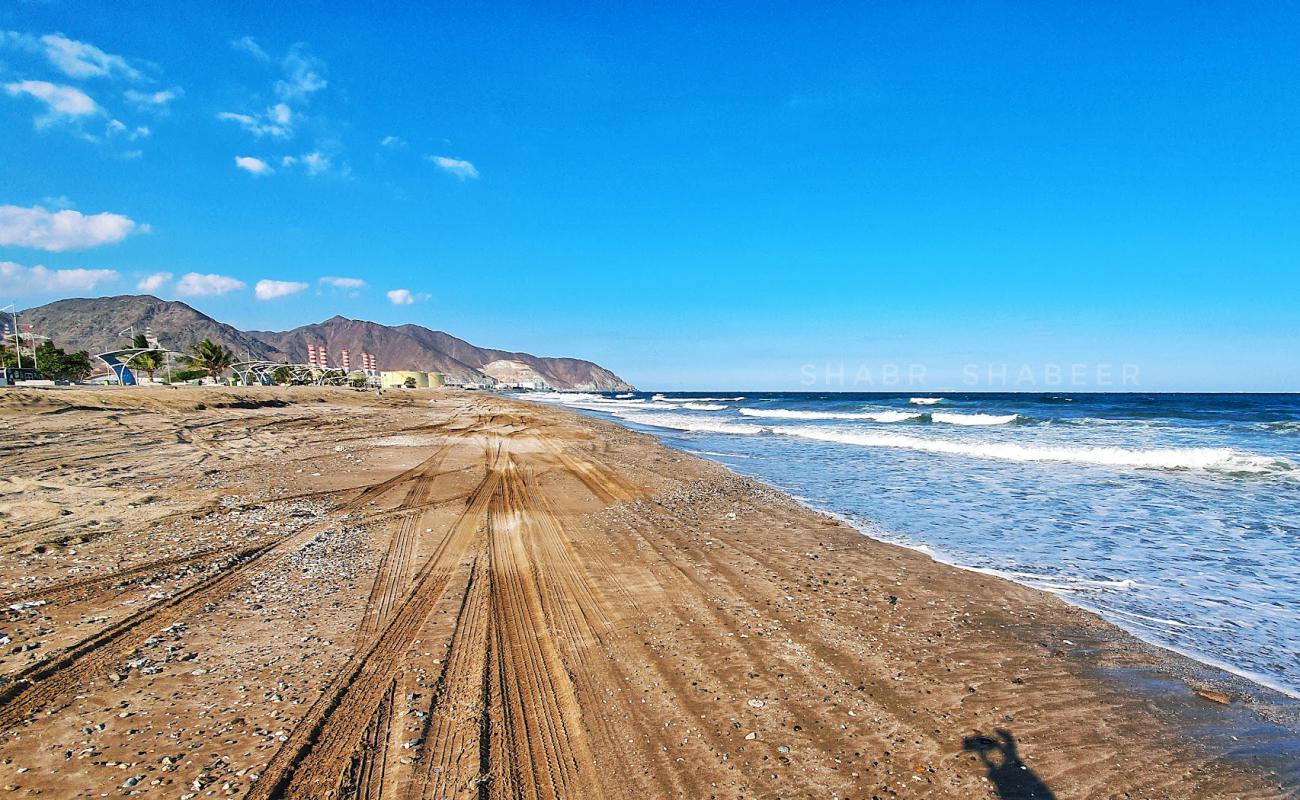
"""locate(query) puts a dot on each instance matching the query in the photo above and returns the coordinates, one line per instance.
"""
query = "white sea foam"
(717, 454)
(789, 413)
(950, 418)
(664, 399)
(684, 422)
(624, 396)
(1288, 426)
(926, 401)
(704, 406)
(1210, 459)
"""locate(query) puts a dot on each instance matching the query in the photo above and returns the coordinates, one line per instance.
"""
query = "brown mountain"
(93, 324)
(97, 324)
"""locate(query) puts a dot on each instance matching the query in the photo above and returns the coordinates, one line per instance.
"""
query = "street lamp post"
(12, 308)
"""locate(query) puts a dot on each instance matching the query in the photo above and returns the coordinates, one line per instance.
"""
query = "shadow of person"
(1012, 779)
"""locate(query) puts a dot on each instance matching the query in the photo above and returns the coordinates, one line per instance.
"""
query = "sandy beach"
(315, 593)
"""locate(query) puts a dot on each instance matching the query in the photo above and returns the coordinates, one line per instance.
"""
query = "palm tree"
(211, 358)
(147, 362)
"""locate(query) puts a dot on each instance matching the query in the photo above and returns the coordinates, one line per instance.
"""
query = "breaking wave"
(974, 419)
(926, 401)
(665, 399)
(874, 416)
(1288, 426)
(1209, 459)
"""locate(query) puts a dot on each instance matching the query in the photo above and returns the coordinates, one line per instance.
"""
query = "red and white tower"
(347, 360)
(322, 357)
(311, 354)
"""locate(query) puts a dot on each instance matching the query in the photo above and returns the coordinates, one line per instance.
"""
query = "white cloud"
(20, 41)
(82, 60)
(17, 280)
(269, 290)
(61, 102)
(404, 297)
(153, 101)
(192, 284)
(392, 141)
(247, 44)
(254, 165)
(461, 169)
(154, 283)
(302, 75)
(57, 231)
(343, 283)
(316, 162)
(118, 128)
(276, 121)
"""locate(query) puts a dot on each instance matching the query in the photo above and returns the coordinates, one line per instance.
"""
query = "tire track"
(59, 592)
(451, 761)
(57, 677)
(311, 763)
(603, 483)
(391, 579)
(365, 781)
(544, 745)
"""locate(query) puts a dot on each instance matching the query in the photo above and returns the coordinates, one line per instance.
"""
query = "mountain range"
(100, 323)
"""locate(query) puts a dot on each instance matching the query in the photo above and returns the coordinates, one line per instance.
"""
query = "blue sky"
(696, 198)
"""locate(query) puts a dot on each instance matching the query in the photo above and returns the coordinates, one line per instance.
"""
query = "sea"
(1174, 516)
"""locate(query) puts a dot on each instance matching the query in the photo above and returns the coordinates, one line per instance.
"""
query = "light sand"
(454, 595)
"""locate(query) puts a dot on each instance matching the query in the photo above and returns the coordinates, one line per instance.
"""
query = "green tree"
(147, 362)
(55, 364)
(211, 358)
(409, 383)
(188, 374)
(282, 375)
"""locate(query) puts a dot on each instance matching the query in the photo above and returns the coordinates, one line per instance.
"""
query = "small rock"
(1213, 695)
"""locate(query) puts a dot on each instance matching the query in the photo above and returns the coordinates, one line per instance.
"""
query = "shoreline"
(939, 558)
(879, 532)
(660, 617)
(1255, 696)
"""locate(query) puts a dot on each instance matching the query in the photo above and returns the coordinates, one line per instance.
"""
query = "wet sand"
(319, 593)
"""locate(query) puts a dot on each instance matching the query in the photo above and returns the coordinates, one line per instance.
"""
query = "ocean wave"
(952, 418)
(1211, 459)
(717, 454)
(1286, 426)
(623, 396)
(704, 406)
(926, 401)
(664, 399)
(1207, 459)
(683, 422)
(874, 416)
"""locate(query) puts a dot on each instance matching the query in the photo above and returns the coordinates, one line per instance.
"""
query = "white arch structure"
(259, 372)
(119, 361)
